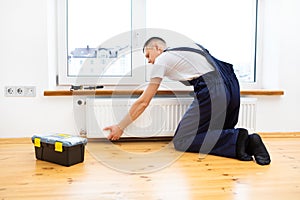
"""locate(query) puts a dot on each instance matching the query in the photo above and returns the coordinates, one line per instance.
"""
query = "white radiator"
(247, 115)
(159, 119)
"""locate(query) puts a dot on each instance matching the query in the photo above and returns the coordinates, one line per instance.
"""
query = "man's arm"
(136, 110)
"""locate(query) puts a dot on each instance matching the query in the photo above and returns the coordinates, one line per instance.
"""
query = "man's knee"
(178, 146)
(181, 144)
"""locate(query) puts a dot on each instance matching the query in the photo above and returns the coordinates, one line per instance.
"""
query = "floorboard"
(114, 176)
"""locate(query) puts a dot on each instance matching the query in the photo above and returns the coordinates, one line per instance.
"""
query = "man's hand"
(135, 111)
(115, 132)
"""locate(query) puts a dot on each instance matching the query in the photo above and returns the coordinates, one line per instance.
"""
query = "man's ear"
(158, 48)
(155, 46)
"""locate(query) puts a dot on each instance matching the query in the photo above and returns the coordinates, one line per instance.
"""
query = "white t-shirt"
(180, 65)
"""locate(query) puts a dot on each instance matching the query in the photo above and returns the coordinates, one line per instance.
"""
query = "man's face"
(151, 53)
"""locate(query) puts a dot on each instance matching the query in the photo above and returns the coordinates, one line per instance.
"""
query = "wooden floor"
(183, 177)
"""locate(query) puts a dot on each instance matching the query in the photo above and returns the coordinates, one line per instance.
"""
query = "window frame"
(64, 79)
(139, 77)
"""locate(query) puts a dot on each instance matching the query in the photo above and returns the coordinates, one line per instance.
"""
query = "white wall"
(280, 61)
(25, 61)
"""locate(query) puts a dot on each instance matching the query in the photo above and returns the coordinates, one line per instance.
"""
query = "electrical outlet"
(20, 91)
(29, 91)
(9, 91)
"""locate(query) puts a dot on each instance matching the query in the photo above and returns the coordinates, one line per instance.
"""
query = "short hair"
(154, 39)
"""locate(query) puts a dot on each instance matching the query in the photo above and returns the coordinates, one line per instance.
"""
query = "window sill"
(103, 92)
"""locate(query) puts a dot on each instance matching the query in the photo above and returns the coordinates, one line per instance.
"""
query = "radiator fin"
(159, 119)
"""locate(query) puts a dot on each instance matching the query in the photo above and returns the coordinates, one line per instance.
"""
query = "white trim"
(61, 42)
(52, 42)
(259, 52)
(259, 46)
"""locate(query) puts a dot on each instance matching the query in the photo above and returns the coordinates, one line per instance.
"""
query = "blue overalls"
(208, 126)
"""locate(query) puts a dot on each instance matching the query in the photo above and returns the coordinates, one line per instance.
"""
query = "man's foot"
(241, 144)
(257, 148)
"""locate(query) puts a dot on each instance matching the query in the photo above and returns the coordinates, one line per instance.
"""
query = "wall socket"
(20, 91)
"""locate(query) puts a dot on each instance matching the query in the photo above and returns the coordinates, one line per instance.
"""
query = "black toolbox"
(63, 149)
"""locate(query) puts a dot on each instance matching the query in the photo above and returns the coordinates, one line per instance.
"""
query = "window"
(97, 39)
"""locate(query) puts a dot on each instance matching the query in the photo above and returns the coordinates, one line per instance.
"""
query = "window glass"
(90, 24)
(226, 28)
